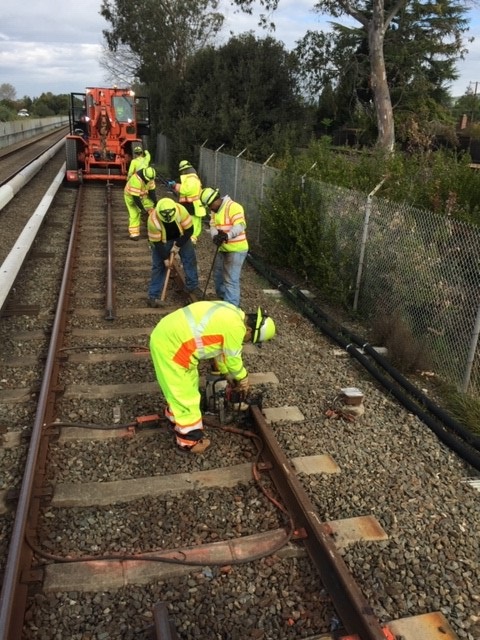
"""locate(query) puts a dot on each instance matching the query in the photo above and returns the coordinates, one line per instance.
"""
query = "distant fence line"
(410, 264)
(23, 128)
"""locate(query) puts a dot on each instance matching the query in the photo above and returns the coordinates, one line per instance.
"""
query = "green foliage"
(48, 104)
(440, 181)
(469, 105)
(247, 98)
(297, 234)
(463, 407)
(421, 47)
(7, 113)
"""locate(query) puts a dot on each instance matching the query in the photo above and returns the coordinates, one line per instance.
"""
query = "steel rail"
(353, 609)
(14, 589)
(38, 155)
(110, 297)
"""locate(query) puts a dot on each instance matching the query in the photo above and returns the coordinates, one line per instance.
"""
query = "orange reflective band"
(184, 355)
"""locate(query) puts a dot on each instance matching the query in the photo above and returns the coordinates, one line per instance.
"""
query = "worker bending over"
(201, 331)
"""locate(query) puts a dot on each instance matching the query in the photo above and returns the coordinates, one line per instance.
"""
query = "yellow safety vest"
(230, 214)
(140, 162)
(189, 190)
(137, 187)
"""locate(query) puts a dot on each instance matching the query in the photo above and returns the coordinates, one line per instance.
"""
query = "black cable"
(459, 439)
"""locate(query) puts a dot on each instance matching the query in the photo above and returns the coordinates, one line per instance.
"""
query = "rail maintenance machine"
(105, 127)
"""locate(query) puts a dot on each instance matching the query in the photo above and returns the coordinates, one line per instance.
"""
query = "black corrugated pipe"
(462, 441)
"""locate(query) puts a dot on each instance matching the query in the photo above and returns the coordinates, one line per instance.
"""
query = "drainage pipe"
(462, 441)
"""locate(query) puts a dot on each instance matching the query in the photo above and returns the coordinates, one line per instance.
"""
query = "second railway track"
(112, 485)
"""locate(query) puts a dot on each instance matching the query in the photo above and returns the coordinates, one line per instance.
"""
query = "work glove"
(175, 248)
(220, 238)
(194, 240)
(242, 386)
(171, 184)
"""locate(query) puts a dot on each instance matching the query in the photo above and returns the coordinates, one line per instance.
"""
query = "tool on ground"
(167, 277)
(210, 272)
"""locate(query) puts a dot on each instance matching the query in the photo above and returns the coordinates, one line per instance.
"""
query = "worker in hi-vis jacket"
(201, 331)
(188, 189)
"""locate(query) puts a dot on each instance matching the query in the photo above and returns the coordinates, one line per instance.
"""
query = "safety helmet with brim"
(166, 209)
(209, 195)
(263, 326)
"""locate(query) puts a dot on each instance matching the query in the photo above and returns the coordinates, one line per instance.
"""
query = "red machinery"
(105, 126)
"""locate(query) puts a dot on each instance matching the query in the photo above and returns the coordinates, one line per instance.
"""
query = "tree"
(160, 34)
(7, 92)
(375, 18)
(469, 105)
(248, 97)
(420, 49)
(121, 65)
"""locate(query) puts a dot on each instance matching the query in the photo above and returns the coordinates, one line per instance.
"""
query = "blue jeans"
(161, 252)
(226, 275)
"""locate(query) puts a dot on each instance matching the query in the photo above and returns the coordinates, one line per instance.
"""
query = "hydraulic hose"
(457, 437)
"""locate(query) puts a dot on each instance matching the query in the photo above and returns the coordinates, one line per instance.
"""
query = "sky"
(53, 46)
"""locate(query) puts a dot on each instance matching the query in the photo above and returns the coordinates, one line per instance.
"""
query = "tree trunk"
(378, 78)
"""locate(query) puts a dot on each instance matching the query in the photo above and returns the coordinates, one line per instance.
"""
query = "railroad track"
(22, 154)
(126, 539)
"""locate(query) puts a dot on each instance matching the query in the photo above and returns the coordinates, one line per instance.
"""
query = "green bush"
(297, 234)
(441, 181)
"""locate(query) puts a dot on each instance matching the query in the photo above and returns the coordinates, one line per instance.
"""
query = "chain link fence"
(418, 269)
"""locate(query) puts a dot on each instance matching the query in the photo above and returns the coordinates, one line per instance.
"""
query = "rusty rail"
(352, 607)
(14, 588)
(110, 298)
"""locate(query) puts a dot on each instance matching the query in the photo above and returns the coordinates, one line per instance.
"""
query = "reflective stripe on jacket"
(156, 228)
(189, 189)
(200, 331)
(231, 213)
(137, 187)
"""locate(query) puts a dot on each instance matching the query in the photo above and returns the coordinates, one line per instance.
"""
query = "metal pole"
(215, 181)
(305, 175)
(471, 353)
(200, 158)
(262, 190)
(236, 173)
(368, 210)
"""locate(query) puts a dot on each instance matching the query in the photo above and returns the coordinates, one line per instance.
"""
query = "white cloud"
(56, 47)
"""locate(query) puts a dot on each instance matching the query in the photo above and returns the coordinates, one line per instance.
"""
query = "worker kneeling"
(201, 331)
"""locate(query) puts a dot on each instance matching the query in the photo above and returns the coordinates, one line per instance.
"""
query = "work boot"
(136, 238)
(153, 302)
(199, 447)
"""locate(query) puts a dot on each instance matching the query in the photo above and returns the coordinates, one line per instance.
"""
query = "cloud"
(56, 47)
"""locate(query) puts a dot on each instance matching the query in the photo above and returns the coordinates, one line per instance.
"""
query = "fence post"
(262, 190)
(368, 210)
(200, 157)
(305, 175)
(236, 173)
(471, 353)
(215, 181)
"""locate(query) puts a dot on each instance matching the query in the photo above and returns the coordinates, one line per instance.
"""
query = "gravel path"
(391, 466)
